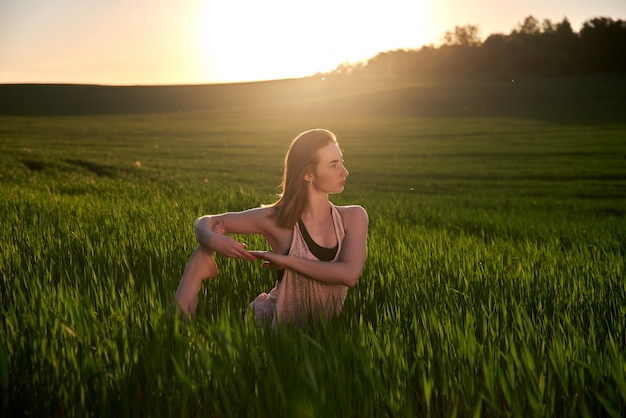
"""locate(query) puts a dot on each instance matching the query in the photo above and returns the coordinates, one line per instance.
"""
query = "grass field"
(494, 285)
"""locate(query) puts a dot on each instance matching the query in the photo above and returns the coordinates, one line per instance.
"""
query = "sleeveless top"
(298, 299)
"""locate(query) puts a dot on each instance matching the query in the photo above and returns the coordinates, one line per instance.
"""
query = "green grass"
(494, 284)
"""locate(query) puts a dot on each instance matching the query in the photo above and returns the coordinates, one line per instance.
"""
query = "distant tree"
(457, 55)
(348, 67)
(541, 48)
(562, 48)
(495, 56)
(548, 27)
(468, 35)
(530, 26)
(523, 50)
(564, 30)
(603, 45)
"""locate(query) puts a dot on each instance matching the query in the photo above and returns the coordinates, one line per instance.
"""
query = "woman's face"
(330, 173)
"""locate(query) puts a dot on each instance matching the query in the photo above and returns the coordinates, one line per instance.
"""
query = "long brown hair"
(301, 158)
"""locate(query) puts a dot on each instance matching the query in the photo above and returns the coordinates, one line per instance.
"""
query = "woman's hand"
(270, 259)
(228, 246)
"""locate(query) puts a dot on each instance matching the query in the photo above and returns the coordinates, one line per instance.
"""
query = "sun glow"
(215, 41)
(244, 40)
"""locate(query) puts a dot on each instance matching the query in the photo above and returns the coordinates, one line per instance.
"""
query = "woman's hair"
(301, 158)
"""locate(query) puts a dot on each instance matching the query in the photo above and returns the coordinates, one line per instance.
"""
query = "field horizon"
(592, 98)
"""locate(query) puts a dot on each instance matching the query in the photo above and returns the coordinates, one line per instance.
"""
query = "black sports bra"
(322, 253)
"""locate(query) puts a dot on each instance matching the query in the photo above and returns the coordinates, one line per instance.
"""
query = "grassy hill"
(586, 99)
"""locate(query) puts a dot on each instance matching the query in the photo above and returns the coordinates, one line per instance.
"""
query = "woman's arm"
(251, 221)
(347, 269)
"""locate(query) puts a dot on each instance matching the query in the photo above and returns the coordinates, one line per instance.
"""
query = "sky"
(148, 42)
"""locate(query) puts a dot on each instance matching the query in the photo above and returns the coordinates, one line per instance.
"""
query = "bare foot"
(202, 263)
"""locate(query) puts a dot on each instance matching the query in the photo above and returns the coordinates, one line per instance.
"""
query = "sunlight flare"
(241, 40)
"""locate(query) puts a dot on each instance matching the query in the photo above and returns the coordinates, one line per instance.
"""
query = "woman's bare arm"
(251, 221)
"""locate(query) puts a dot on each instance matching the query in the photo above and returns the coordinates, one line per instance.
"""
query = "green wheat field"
(494, 285)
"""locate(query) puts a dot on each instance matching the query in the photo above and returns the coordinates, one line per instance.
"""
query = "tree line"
(534, 47)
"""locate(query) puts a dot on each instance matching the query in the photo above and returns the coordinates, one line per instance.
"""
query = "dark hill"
(583, 99)
(63, 99)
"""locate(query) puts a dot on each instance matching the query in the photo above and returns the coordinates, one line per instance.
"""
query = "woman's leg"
(201, 266)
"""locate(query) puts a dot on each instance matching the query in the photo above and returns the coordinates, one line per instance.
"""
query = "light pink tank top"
(298, 299)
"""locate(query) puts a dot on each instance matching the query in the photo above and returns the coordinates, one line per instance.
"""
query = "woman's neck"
(317, 209)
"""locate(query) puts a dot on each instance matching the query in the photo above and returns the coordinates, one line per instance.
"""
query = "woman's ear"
(308, 177)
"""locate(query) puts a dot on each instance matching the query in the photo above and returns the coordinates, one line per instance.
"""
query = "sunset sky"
(194, 41)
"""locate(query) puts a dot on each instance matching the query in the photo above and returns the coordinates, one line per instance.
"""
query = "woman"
(318, 249)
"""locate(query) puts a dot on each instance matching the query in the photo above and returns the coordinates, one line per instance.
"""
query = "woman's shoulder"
(353, 213)
(351, 209)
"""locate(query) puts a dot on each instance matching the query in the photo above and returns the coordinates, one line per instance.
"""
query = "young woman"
(318, 249)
